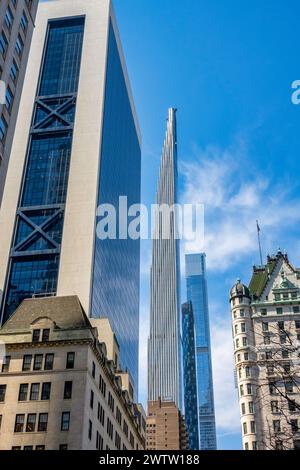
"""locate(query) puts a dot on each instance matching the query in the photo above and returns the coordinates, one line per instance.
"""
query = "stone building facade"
(61, 387)
(266, 334)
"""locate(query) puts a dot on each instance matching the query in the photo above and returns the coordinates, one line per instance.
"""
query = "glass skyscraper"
(190, 375)
(77, 145)
(197, 295)
(164, 347)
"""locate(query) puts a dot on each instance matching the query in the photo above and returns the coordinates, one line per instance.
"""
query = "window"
(272, 388)
(296, 309)
(241, 390)
(286, 368)
(19, 423)
(270, 370)
(238, 358)
(8, 18)
(283, 339)
(92, 399)
(43, 422)
(292, 405)
(46, 335)
(65, 421)
(265, 326)
(269, 355)
(5, 364)
(119, 416)
(3, 128)
(46, 391)
(263, 311)
(2, 393)
(94, 370)
(277, 297)
(279, 310)
(267, 340)
(246, 356)
(68, 390)
(36, 336)
(31, 420)
(0, 421)
(236, 329)
(243, 327)
(243, 409)
(245, 342)
(254, 445)
(23, 392)
(289, 387)
(131, 440)
(49, 359)
(246, 446)
(285, 354)
(285, 296)
(39, 447)
(248, 371)
(14, 448)
(102, 386)
(251, 407)
(294, 295)
(28, 447)
(125, 428)
(24, 22)
(3, 44)
(297, 324)
(249, 389)
(19, 45)
(281, 325)
(38, 362)
(242, 313)
(14, 72)
(27, 362)
(276, 426)
(117, 441)
(90, 430)
(63, 446)
(294, 425)
(111, 402)
(99, 442)
(34, 392)
(70, 360)
(252, 427)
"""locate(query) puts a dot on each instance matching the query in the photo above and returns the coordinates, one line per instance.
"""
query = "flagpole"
(259, 243)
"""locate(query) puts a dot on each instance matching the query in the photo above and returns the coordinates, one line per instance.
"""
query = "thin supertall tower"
(164, 347)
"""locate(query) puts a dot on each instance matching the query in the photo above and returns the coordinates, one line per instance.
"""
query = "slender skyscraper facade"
(164, 349)
(76, 145)
(197, 295)
(17, 20)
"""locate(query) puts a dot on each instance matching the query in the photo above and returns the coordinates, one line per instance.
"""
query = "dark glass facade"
(197, 295)
(190, 375)
(35, 253)
(116, 274)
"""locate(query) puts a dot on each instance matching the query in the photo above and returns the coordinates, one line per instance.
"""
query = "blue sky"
(228, 67)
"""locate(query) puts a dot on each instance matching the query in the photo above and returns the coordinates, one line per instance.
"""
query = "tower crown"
(239, 290)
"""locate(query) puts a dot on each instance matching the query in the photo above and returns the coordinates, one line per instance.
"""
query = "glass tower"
(35, 254)
(190, 375)
(197, 295)
(117, 263)
(164, 347)
(77, 145)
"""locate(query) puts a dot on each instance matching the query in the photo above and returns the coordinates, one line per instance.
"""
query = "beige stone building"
(266, 334)
(166, 428)
(60, 383)
(16, 28)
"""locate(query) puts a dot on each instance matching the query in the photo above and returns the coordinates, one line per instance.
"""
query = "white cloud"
(234, 198)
